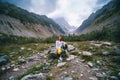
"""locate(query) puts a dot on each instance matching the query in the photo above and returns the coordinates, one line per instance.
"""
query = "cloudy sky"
(74, 11)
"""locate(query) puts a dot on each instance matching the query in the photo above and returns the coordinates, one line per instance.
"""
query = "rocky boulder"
(71, 48)
(39, 76)
(85, 53)
(3, 59)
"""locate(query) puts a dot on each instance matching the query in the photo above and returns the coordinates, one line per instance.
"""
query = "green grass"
(14, 51)
(109, 62)
(34, 70)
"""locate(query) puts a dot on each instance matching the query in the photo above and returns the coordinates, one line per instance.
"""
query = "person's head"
(59, 38)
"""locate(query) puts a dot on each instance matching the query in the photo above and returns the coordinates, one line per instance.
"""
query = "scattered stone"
(13, 53)
(22, 48)
(11, 78)
(71, 48)
(3, 60)
(80, 52)
(100, 75)
(114, 78)
(119, 74)
(117, 52)
(82, 60)
(16, 69)
(36, 44)
(99, 63)
(81, 74)
(73, 71)
(3, 68)
(50, 74)
(68, 78)
(61, 64)
(93, 78)
(21, 60)
(65, 72)
(98, 45)
(95, 69)
(39, 76)
(70, 57)
(106, 43)
(31, 58)
(53, 50)
(106, 53)
(85, 53)
(13, 65)
(8, 67)
(90, 64)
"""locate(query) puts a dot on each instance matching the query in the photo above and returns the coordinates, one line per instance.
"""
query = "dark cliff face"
(104, 17)
(16, 21)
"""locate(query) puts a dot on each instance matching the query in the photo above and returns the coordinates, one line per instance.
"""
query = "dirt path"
(75, 68)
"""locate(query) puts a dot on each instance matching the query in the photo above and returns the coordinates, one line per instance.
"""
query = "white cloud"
(42, 7)
(74, 11)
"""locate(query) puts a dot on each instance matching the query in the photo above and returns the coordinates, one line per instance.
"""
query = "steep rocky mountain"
(19, 22)
(68, 29)
(108, 16)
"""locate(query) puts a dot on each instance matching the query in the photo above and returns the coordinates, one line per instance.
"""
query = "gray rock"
(39, 76)
(85, 53)
(53, 50)
(106, 43)
(97, 44)
(100, 75)
(13, 53)
(3, 68)
(8, 67)
(21, 60)
(12, 65)
(90, 64)
(99, 63)
(11, 78)
(16, 69)
(93, 78)
(71, 48)
(117, 52)
(22, 48)
(61, 64)
(70, 57)
(68, 78)
(3, 59)
(106, 53)
(31, 58)
(114, 78)
(119, 74)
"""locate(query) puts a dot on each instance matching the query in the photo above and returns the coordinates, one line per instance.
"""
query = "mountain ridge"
(104, 17)
(39, 26)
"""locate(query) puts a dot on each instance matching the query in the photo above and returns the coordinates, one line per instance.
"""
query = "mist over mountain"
(67, 28)
(19, 22)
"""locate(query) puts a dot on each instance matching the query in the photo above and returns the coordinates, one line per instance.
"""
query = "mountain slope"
(107, 16)
(16, 21)
(64, 25)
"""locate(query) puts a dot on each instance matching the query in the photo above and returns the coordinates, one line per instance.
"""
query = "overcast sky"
(74, 11)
